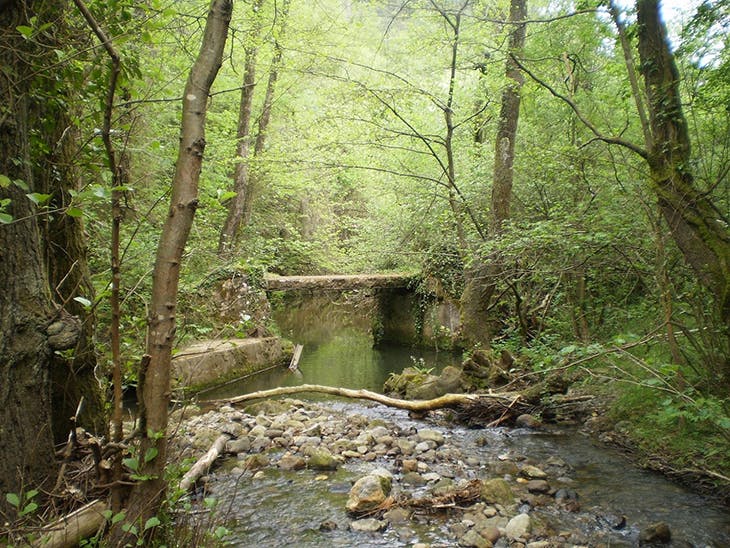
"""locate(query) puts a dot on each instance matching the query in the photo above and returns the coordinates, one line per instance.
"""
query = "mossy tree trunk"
(697, 226)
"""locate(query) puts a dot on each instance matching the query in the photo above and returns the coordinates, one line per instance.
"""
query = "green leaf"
(154, 521)
(4, 181)
(31, 494)
(223, 196)
(74, 212)
(131, 463)
(27, 32)
(5, 218)
(29, 509)
(150, 454)
(38, 198)
(13, 499)
(83, 301)
(119, 516)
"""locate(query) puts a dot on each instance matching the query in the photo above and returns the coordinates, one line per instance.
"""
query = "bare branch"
(599, 136)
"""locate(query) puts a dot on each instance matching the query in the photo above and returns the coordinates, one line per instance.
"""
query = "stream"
(287, 508)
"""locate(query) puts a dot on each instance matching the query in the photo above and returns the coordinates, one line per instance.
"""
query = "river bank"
(295, 466)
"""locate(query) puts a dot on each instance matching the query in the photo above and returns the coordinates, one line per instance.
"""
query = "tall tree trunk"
(154, 389)
(252, 188)
(26, 311)
(480, 320)
(697, 226)
(234, 217)
(504, 144)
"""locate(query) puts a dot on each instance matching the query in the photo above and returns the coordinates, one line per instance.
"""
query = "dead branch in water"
(494, 404)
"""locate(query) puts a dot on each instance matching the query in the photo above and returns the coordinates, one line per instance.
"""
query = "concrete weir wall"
(210, 362)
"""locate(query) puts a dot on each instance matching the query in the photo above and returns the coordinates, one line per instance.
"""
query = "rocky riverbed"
(400, 482)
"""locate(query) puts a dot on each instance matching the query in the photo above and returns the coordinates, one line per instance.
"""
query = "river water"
(286, 508)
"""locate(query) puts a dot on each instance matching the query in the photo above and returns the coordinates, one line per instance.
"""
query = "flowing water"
(286, 508)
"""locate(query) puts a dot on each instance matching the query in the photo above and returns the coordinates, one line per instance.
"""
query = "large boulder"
(368, 493)
(449, 381)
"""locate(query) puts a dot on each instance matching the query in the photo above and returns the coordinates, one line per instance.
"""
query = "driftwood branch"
(204, 463)
(71, 529)
(505, 399)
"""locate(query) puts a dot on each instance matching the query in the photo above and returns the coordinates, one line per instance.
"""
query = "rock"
(432, 387)
(409, 465)
(322, 459)
(491, 533)
(472, 538)
(497, 491)
(256, 462)
(397, 515)
(368, 525)
(292, 462)
(427, 434)
(518, 526)
(527, 421)
(241, 445)
(368, 493)
(327, 525)
(532, 472)
(413, 478)
(538, 486)
(656, 533)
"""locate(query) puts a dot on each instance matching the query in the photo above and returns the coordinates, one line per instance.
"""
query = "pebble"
(420, 456)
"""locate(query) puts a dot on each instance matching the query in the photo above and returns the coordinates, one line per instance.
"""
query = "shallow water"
(287, 508)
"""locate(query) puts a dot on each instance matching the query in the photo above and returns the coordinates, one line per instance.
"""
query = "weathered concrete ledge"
(340, 282)
(208, 362)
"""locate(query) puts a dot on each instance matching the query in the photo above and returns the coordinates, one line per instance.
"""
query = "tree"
(31, 327)
(236, 204)
(247, 180)
(154, 375)
(698, 227)
(481, 278)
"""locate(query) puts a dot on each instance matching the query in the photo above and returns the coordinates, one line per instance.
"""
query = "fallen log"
(204, 462)
(71, 529)
(485, 404)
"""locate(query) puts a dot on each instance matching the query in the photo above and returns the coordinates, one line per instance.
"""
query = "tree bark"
(26, 443)
(697, 226)
(480, 319)
(154, 389)
(234, 217)
(252, 187)
(504, 144)
(445, 401)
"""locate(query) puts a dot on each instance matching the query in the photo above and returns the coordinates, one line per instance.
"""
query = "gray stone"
(497, 491)
(527, 421)
(518, 526)
(397, 515)
(473, 539)
(368, 525)
(427, 434)
(241, 445)
(532, 472)
(538, 486)
(413, 478)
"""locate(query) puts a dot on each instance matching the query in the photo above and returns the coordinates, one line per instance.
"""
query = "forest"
(556, 168)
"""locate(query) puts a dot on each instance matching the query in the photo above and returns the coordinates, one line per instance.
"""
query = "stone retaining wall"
(214, 361)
